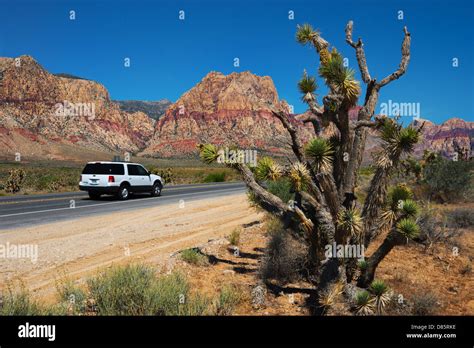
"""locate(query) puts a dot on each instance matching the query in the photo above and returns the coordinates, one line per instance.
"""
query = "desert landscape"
(348, 209)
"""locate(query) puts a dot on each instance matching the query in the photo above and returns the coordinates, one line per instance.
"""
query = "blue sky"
(169, 56)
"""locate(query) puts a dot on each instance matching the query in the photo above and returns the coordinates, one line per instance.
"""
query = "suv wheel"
(156, 190)
(123, 192)
(94, 195)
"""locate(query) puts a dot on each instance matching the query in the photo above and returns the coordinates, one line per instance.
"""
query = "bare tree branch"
(404, 62)
(360, 54)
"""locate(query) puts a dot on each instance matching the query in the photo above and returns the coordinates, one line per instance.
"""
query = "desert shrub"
(15, 180)
(72, 298)
(449, 180)
(123, 290)
(228, 298)
(284, 259)
(19, 303)
(281, 188)
(424, 303)
(460, 218)
(215, 177)
(194, 256)
(274, 225)
(234, 237)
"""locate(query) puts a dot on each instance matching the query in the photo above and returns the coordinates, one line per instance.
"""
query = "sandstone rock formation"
(232, 109)
(39, 109)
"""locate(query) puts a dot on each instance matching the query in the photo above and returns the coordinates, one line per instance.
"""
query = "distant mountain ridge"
(36, 117)
(154, 109)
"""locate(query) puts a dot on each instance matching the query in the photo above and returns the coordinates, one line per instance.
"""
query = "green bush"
(123, 291)
(449, 180)
(19, 303)
(281, 188)
(194, 257)
(424, 304)
(234, 237)
(229, 297)
(215, 177)
(460, 218)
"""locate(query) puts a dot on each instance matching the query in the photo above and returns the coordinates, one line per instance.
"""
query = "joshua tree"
(324, 170)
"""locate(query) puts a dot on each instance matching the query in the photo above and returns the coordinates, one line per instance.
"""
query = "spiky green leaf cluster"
(339, 77)
(305, 34)
(267, 169)
(364, 303)
(396, 141)
(307, 86)
(349, 220)
(320, 152)
(410, 208)
(208, 153)
(381, 293)
(397, 194)
(408, 227)
(299, 175)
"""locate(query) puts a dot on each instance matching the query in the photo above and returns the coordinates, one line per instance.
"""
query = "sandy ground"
(78, 248)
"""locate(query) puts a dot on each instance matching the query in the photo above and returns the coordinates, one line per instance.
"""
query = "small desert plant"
(15, 180)
(19, 303)
(228, 298)
(449, 180)
(123, 290)
(424, 304)
(284, 258)
(460, 218)
(234, 237)
(194, 256)
(331, 295)
(73, 297)
(382, 295)
(215, 177)
(281, 188)
(364, 303)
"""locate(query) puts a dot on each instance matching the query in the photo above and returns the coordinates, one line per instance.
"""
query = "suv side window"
(142, 171)
(132, 169)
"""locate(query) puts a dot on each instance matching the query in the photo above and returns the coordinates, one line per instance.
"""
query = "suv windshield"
(103, 169)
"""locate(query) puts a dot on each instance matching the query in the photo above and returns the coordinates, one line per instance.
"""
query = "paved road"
(21, 211)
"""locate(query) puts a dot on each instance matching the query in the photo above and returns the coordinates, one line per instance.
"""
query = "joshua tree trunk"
(393, 239)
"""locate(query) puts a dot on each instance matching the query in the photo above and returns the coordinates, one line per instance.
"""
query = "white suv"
(119, 179)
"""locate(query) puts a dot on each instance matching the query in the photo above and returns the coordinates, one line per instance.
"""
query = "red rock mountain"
(222, 109)
(33, 121)
(232, 109)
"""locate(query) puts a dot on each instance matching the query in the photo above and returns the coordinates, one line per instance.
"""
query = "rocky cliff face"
(442, 138)
(232, 109)
(153, 109)
(38, 108)
(40, 111)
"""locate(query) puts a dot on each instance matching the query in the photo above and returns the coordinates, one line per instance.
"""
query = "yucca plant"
(339, 77)
(307, 85)
(320, 151)
(382, 295)
(299, 175)
(365, 304)
(408, 228)
(267, 169)
(208, 153)
(330, 295)
(349, 220)
(305, 35)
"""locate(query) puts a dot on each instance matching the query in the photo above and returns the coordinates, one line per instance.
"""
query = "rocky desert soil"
(80, 248)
